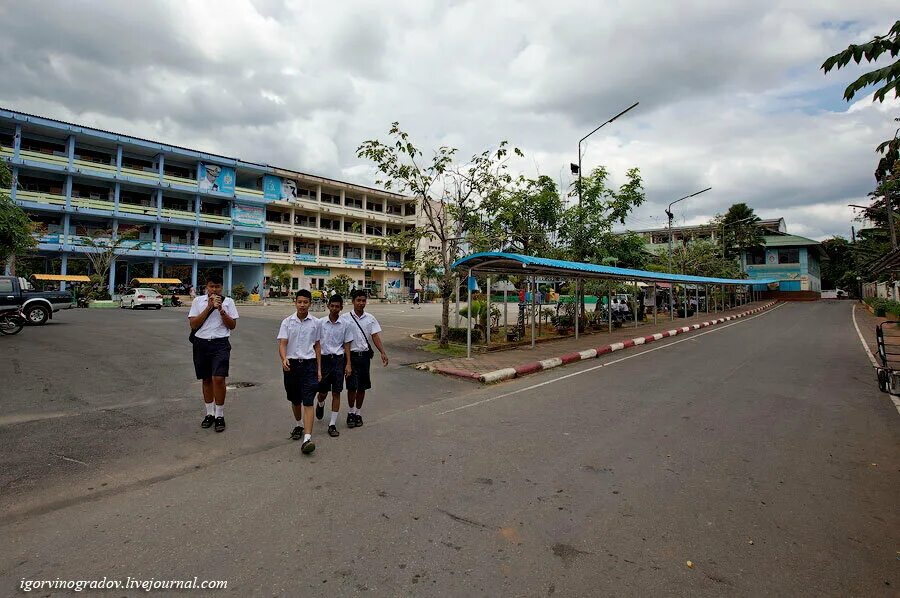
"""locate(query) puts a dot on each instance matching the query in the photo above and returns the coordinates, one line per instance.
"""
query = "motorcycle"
(12, 321)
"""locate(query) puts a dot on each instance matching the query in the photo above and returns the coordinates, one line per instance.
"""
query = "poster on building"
(247, 215)
(216, 178)
(278, 189)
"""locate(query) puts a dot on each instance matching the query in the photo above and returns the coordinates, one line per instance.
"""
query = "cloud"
(731, 93)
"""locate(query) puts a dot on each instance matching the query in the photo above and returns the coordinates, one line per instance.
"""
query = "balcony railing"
(215, 219)
(178, 214)
(131, 208)
(280, 228)
(97, 166)
(93, 204)
(248, 191)
(146, 175)
(39, 197)
(179, 180)
(279, 257)
(212, 250)
(6, 150)
(53, 159)
(246, 252)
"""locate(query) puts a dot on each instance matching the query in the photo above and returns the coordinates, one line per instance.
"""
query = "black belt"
(209, 340)
(302, 360)
(360, 352)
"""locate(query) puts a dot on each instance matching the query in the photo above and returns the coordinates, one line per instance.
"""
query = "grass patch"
(451, 351)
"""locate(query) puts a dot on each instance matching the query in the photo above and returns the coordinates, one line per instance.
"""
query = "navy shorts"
(301, 383)
(361, 378)
(211, 357)
(332, 373)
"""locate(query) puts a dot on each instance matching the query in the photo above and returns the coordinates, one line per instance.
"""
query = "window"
(788, 256)
(329, 224)
(374, 207)
(295, 284)
(353, 253)
(374, 230)
(756, 257)
(327, 250)
(332, 199)
(6, 286)
(353, 202)
(373, 254)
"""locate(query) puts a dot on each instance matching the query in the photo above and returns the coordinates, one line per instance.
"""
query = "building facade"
(792, 260)
(657, 239)
(189, 212)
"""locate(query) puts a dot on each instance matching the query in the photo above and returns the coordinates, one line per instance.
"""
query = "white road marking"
(862, 340)
(606, 364)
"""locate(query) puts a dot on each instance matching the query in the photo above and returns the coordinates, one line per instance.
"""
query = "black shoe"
(351, 420)
(220, 424)
(307, 447)
(358, 420)
(332, 431)
(207, 421)
(297, 433)
(320, 410)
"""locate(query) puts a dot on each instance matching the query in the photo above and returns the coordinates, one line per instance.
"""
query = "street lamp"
(576, 169)
(670, 215)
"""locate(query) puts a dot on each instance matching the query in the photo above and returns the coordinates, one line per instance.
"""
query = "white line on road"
(608, 363)
(871, 357)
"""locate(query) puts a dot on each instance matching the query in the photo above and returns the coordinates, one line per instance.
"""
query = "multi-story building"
(190, 211)
(657, 239)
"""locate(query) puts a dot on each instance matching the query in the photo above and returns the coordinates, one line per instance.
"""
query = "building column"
(159, 203)
(116, 193)
(230, 237)
(68, 192)
(156, 267)
(64, 269)
(227, 277)
(319, 193)
(194, 269)
(112, 278)
(262, 246)
(157, 238)
(15, 183)
(127, 273)
(70, 149)
(118, 159)
(66, 223)
(162, 161)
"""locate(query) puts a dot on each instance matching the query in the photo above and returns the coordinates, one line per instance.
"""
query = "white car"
(834, 294)
(145, 298)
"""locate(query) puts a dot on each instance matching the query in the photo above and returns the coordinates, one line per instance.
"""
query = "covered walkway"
(698, 294)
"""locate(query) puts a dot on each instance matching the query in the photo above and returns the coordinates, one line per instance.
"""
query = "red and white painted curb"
(553, 362)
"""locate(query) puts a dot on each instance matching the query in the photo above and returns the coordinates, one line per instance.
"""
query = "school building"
(190, 212)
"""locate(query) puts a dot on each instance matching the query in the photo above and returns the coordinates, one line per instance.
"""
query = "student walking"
(335, 338)
(212, 318)
(366, 332)
(301, 362)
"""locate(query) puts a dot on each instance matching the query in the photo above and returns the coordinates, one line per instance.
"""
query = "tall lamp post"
(671, 216)
(580, 141)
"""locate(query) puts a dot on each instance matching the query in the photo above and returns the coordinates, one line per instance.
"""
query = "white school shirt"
(301, 336)
(369, 325)
(333, 335)
(213, 327)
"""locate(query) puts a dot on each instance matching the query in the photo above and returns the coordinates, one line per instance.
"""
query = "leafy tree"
(585, 226)
(15, 226)
(698, 258)
(525, 219)
(888, 76)
(839, 266)
(281, 276)
(103, 248)
(739, 229)
(341, 285)
(448, 195)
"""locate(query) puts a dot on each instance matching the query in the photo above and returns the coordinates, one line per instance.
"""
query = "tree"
(888, 76)
(281, 276)
(448, 195)
(839, 266)
(15, 226)
(341, 284)
(104, 247)
(585, 226)
(698, 258)
(525, 219)
(739, 229)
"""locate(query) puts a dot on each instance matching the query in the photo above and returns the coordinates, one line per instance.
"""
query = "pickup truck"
(38, 306)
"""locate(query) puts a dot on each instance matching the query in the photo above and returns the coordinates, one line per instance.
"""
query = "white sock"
(334, 416)
(220, 410)
(352, 411)
(210, 408)
(359, 411)
(321, 401)
(307, 437)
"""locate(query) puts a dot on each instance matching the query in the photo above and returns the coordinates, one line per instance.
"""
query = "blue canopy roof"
(513, 263)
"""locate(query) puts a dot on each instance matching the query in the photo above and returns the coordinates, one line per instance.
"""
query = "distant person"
(192, 293)
(367, 333)
(175, 301)
(522, 295)
(336, 336)
(212, 318)
(301, 361)
(416, 300)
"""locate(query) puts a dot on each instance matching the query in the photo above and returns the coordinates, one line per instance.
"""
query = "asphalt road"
(761, 451)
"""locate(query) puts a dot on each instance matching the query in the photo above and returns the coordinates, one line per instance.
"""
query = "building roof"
(787, 241)
(772, 224)
(513, 263)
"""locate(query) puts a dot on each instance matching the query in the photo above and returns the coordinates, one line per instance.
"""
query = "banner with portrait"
(216, 178)
(279, 189)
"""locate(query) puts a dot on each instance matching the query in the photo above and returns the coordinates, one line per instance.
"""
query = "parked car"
(834, 294)
(142, 298)
(38, 306)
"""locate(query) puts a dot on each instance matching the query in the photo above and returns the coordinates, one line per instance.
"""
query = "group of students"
(316, 356)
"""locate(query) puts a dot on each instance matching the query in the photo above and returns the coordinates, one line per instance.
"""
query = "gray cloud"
(731, 94)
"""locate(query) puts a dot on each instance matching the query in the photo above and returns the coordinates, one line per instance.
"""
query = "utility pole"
(671, 216)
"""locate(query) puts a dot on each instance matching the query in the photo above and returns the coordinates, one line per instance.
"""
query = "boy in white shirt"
(366, 335)
(212, 318)
(336, 337)
(301, 362)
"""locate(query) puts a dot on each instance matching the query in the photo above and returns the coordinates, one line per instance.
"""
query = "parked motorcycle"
(11, 321)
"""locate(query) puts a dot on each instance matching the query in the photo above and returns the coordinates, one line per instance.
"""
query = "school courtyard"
(752, 457)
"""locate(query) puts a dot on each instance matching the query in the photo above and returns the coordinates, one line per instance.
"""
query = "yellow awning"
(62, 277)
(155, 281)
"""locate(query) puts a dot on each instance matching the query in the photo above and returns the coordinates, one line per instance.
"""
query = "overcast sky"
(731, 95)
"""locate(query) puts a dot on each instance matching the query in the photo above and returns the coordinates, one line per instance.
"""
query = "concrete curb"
(554, 362)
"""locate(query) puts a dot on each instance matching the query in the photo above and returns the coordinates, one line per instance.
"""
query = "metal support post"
(487, 328)
(635, 304)
(456, 278)
(577, 303)
(609, 309)
(469, 323)
(655, 304)
(533, 297)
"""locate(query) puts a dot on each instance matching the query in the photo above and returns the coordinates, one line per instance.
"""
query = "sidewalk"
(504, 365)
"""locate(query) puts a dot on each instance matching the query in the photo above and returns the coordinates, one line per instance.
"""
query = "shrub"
(457, 335)
(239, 292)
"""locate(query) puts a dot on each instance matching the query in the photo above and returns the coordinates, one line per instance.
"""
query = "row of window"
(757, 257)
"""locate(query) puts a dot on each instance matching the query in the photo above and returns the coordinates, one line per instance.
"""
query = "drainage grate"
(236, 385)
